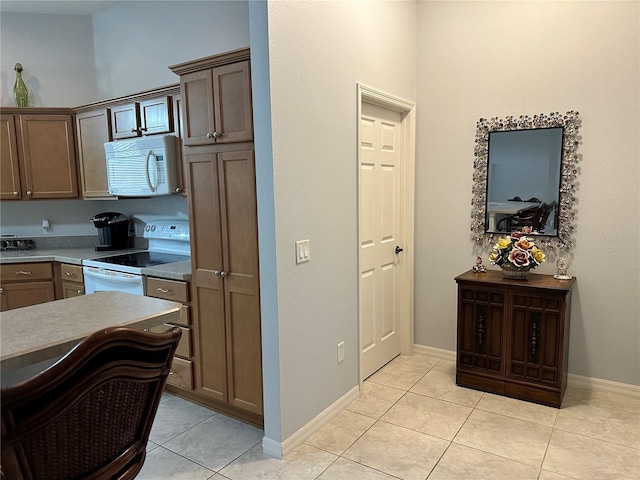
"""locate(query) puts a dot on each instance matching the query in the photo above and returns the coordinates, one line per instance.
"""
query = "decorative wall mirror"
(525, 170)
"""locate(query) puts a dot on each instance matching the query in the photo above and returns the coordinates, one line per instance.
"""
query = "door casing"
(369, 95)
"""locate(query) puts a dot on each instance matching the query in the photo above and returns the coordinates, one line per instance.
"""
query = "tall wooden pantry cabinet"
(220, 178)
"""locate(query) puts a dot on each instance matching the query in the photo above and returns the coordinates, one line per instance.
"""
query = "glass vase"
(20, 93)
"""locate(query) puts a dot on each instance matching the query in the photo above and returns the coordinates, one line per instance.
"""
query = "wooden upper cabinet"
(147, 117)
(197, 105)
(43, 143)
(93, 130)
(9, 170)
(217, 105)
(156, 116)
(125, 121)
(49, 156)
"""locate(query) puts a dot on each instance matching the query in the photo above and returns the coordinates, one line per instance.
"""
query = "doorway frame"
(407, 109)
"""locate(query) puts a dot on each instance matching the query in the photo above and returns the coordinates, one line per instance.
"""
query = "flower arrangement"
(517, 252)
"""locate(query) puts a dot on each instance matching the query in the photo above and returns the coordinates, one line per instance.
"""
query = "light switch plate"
(302, 251)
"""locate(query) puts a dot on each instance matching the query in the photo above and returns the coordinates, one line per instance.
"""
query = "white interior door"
(381, 225)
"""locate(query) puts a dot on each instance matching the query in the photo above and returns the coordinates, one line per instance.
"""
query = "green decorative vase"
(20, 93)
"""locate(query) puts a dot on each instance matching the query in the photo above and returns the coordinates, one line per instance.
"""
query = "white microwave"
(142, 167)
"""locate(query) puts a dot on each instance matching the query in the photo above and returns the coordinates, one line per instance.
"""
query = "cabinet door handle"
(142, 129)
(29, 193)
(223, 274)
(15, 194)
(214, 135)
(69, 274)
(24, 273)
(1, 290)
(162, 290)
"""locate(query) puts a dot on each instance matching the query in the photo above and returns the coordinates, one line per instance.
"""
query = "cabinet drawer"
(26, 271)
(184, 346)
(72, 289)
(168, 289)
(181, 374)
(71, 273)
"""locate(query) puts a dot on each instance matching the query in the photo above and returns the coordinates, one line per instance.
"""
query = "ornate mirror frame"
(570, 122)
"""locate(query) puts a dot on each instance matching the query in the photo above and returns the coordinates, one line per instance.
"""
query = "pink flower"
(519, 258)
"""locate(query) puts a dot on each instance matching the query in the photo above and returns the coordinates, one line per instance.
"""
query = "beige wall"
(318, 52)
(56, 52)
(484, 59)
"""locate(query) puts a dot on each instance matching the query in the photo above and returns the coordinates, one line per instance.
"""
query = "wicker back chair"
(89, 415)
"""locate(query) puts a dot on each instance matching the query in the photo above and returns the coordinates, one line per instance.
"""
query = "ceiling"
(82, 7)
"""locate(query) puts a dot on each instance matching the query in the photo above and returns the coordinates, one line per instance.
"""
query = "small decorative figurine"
(479, 267)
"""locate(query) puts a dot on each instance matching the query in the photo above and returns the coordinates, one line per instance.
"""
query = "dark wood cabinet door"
(481, 334)
(535, 346)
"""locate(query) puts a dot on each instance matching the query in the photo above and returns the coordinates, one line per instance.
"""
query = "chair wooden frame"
(89, 415)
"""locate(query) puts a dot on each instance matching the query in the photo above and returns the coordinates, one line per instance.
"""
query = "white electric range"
(168, 243)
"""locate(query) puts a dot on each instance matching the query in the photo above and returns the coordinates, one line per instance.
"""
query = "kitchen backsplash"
(53, 242)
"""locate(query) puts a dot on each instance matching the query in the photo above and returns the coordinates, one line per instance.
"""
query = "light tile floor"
(412, 423)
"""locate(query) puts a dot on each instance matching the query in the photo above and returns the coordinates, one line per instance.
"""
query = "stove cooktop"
(143, 259)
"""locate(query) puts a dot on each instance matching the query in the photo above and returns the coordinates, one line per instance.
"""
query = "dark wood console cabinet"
(513, 335)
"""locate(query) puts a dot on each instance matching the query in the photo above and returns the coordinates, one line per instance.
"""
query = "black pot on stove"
(113, 230)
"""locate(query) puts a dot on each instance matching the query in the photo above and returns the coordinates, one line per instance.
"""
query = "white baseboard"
(592, 383)
(573, 380)
(280, 449)
(435, 352)
(271, 447)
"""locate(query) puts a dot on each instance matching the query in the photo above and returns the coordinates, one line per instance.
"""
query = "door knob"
(398, 249)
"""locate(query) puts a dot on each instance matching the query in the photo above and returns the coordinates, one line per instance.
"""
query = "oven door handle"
(137, 279)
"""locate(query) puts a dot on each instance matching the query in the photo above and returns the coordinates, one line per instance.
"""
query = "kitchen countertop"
(48, 330)
(174, 271)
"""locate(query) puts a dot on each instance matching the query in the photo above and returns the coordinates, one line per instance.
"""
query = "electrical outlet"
(46, 226)
(340, 352)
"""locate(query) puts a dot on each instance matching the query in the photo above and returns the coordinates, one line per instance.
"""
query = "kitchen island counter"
(34, 334)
